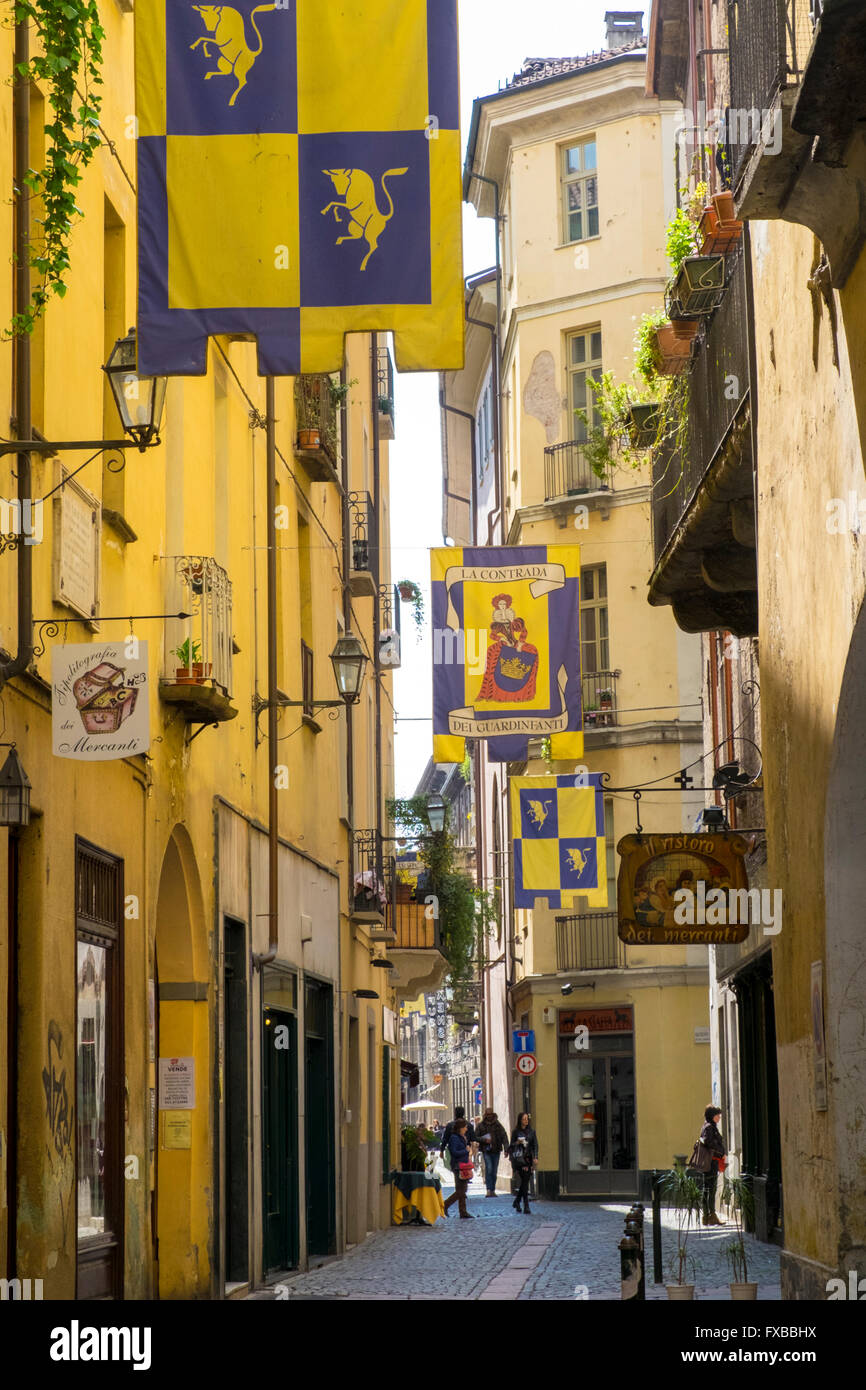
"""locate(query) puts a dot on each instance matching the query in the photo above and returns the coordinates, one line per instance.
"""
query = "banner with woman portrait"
(506, 650)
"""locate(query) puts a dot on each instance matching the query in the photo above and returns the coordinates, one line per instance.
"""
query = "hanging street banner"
(100, 701)
(559, 844)
(299, 178)
(506, 650)
(685, 889)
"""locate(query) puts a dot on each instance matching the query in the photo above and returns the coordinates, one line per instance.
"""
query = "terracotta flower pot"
(201, 670)
(309, 439)
(673, 346)
(182, 676)
(724, 205)
(680, 1292)
(742, 1292)
(406, 592)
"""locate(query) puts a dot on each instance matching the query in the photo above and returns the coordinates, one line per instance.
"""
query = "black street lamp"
(140, 400)
(349, 661)
(14, 792)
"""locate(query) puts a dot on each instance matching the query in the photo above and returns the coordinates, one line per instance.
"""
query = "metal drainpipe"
(377, 572)
(499, 496)
(23, 417)
(347, 623)
(466, 415)
(498, 512)
(273, 794)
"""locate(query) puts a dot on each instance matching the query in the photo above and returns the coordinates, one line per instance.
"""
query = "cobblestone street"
(563, 1250)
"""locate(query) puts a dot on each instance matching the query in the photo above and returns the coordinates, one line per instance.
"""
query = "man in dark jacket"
(492, 1139)
(459, 1114)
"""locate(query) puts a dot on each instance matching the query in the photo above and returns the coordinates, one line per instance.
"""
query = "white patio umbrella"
(425, 1105)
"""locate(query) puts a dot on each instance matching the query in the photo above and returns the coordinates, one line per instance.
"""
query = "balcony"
(197, 657)
(589, 941)
(362, 518)
(391, 914)
(568, 474)
(702, 484)
(599, 699)
(316, 416)
(794, 126)
(385, 372)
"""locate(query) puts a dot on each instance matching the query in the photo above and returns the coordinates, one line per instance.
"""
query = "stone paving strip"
(510, 1282)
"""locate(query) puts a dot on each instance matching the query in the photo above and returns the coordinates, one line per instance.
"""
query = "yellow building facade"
(582, 166)
(136, 931)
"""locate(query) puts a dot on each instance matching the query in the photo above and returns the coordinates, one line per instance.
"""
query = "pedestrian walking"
(459, 1114)
(714, 1147)
(492, 1139)
(461, 1166)
(523, 1154)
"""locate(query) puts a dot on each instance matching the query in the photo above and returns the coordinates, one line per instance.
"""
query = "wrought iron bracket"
(46, 446)
(260, 704)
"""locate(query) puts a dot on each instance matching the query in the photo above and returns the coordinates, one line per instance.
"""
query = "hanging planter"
(718, 237)
(673, 346)
(724, 206)
(699, 287)
(643, 424)
(410, 593)
(309, 439)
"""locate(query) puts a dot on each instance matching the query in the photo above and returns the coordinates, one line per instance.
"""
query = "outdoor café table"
(416, 1197)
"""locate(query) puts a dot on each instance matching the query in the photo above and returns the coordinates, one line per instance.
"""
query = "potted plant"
(737, 1196)
(404, 886)
(410, 593)
(586, 1088)
(682, 1194)
(386, 405)
(187, 654)
(644, 419)
(605, 699)
(590, 716)
(307, 412)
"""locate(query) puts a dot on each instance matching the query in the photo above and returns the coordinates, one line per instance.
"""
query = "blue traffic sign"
(523, 1040)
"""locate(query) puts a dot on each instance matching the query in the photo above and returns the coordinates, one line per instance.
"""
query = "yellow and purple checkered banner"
(506, 650)
(559, 845)
(298, 179)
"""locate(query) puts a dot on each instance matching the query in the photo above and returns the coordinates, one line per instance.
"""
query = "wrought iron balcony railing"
(316, 414)
(200, 645)
(385, 370)
(362, 517)
(599, 699)
(567, 472)
(717, 389)
(408, 922)
(589, 941)
(769, 43)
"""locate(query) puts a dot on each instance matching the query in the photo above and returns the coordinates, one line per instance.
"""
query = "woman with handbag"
(461, 1166)
(711, 1160)
(523, 1155)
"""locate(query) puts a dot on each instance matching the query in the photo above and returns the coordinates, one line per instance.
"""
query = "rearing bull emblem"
(359, 199)
(226, 32)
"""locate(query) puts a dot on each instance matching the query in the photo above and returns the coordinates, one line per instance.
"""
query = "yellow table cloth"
(416, 1195)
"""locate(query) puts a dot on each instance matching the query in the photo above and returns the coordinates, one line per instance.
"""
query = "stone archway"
(845, 952)
(184, 1171)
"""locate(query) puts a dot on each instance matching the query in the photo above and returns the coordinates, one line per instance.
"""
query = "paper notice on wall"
(177, 1083)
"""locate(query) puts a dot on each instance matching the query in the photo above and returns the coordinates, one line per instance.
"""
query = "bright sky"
(495, 37)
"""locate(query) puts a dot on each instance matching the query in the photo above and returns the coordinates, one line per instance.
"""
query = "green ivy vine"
(70, 49)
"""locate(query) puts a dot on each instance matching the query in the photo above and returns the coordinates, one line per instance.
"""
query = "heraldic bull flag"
(559, 842)
(298, 179)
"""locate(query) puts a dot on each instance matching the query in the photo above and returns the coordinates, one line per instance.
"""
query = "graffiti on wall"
(56, 1094)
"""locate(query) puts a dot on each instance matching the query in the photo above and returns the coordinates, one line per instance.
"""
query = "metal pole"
(273, 708)
(23, 420)
(377, 574)
(657, 1227)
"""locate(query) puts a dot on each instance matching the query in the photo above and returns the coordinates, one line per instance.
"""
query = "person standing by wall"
(461, 1166)
(492, 1139)
(712, 1141)
(523, 1153)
